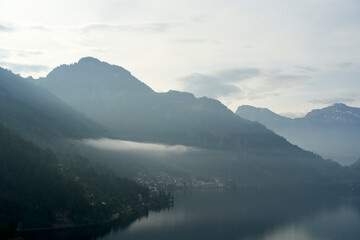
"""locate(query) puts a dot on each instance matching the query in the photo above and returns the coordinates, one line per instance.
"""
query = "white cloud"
(136, 147)
(220, 83)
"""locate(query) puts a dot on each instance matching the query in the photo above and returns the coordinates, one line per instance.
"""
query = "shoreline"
(57, 226)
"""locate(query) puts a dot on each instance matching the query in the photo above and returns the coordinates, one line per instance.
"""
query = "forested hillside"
(39, 190)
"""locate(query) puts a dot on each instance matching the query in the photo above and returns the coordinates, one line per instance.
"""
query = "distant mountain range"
(113, 97)
(90, 98)
(333, 132)
(110, 95)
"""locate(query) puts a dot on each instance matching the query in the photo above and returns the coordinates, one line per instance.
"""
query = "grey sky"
(306, 52)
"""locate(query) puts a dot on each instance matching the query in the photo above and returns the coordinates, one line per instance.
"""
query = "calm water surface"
(249, 215)
(261, 214)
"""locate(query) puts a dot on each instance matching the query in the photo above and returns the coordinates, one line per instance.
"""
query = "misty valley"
(91, 152)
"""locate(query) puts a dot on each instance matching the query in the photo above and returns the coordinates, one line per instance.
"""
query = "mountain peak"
(252, 108)
(261, 115)
(339, 105)
(98, 76)
(89, 60)
(247, 109)
(338, 112)
(97, 65)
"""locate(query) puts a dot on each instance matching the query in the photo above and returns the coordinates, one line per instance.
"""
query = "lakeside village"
(161, 181)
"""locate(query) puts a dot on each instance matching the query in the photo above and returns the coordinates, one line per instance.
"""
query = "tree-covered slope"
(38, 190)
(354, 171)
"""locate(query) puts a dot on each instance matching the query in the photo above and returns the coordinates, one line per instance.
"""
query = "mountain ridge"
(38, 114)
(338, 112)
(229, 145)
(332, 132)
(112, 97)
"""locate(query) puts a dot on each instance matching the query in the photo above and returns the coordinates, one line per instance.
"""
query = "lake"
(256, 214)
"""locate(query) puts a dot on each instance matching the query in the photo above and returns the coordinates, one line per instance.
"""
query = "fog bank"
(139, 147)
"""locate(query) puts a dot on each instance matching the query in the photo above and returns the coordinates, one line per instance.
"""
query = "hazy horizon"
(290, 57)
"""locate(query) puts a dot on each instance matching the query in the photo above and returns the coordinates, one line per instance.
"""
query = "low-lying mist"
(128, 158)
(156, 149)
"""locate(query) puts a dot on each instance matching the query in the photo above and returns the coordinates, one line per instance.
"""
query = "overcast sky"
(287, 55)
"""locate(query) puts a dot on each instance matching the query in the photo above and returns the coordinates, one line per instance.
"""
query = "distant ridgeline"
(86, 99)
(38, 190)
(113, 97)
(333, 132)
(110, 95)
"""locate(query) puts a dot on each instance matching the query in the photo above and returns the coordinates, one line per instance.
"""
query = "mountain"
(113, 97)
(233, 146)
(338, 113)
(354, 172)
(333, 132)
(37, 114)
(260, 114)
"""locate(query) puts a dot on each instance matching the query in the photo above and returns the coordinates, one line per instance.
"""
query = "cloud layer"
(6, 29)
(144, 27)
(18, 67)
(221, 83)
(136, 147)
(331, 101)
(242, 83)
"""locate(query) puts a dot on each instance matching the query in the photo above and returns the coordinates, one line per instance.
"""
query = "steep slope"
(113, 97)
(262, 115)
(38, 114)
(333, 132)
(354, 171)
(31, 188)
(39, 189)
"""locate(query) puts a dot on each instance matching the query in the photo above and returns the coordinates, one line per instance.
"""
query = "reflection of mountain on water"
(86, 233)
(274, 213)
(247, 214)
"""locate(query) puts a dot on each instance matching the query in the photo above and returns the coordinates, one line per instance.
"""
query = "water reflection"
(339, 223)
(265, 214)
(249, 215)
(85, 233)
